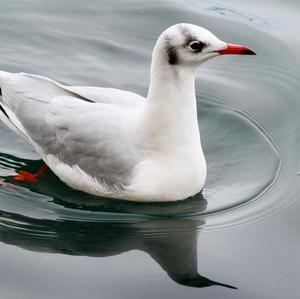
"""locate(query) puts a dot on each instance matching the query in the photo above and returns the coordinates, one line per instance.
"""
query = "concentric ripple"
(229, 138)
(242, 109)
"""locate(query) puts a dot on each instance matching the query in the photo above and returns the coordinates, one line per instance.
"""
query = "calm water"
(243, 232)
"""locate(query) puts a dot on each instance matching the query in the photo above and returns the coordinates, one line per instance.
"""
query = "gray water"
(242, 231)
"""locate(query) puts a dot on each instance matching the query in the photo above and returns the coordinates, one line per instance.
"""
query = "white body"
(146, 149)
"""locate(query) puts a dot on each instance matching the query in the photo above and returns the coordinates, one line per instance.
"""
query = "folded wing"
(90, 128)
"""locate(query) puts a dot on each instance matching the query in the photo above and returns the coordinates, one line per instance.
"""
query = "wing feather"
(99, 139)
(87, 127)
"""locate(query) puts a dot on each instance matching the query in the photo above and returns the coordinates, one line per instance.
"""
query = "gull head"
(190, 45)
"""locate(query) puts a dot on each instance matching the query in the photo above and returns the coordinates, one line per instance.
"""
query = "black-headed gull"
(114, 143)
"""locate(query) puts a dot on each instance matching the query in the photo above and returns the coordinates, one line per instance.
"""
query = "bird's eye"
(196, 46)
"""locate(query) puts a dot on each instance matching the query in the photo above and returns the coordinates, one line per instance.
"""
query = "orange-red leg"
(28, 177)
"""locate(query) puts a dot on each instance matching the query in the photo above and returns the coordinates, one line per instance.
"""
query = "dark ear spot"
(172, 55)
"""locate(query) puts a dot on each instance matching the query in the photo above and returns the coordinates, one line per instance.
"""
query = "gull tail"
(1, 105)
(9, 119)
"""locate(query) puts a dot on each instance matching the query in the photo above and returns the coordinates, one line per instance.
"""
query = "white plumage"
(114, 143)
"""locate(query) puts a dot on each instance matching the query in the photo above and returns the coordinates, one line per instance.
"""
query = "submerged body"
(114, 143)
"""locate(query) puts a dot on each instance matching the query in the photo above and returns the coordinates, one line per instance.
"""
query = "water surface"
(239, 238)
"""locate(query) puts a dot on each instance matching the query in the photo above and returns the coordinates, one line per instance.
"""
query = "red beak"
(236, 49)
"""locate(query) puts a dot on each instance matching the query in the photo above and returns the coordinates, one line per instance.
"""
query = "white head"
(190, 45)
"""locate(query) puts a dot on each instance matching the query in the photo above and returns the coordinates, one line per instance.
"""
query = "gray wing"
(97, 137)
(72, 124)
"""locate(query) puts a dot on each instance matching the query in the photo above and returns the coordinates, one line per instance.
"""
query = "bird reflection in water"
(171, 240)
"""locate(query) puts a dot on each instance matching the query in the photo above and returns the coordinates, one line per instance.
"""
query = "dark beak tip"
(249, 52)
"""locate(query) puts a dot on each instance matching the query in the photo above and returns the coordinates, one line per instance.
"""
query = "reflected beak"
(236, 49)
